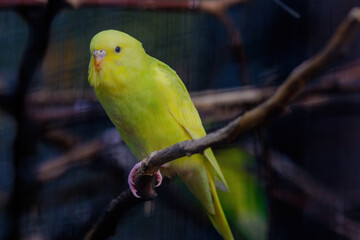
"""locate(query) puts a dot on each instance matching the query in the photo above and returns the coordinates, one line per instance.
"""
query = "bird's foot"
(132, 183)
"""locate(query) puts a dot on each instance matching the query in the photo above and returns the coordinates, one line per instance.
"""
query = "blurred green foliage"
(245, 205)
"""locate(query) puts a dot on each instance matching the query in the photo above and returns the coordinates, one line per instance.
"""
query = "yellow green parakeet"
(149, 104)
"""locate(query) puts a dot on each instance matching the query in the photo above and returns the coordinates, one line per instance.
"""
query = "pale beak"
(99, 56)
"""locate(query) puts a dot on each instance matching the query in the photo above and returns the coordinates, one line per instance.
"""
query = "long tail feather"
(218, 219)
(198, 175)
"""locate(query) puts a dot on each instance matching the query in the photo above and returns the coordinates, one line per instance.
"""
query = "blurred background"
(62, 161)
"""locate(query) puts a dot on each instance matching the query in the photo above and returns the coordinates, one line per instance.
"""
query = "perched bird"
(149, 104)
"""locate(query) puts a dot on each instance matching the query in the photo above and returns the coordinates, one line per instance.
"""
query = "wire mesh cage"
(62, 160)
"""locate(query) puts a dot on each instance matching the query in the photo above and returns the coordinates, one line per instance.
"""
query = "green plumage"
(150, 106)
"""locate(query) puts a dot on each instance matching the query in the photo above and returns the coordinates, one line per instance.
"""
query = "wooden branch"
(256, 117)
(274, 106)
(215, 106)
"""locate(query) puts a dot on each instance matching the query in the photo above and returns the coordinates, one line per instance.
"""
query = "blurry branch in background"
(108, 146)
(61, 107)
(49, 117)
(205, 5)
(255, 118)
(39, 19)
(56, 167)
(236, 45)
(219, 10)
(214, 105)
(334, 205)
(46, 98)
(226, 104)
(314, 199)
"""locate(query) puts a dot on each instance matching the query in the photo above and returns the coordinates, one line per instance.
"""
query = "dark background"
(323, 140)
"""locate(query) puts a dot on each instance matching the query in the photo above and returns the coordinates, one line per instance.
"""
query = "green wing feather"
(184, 111)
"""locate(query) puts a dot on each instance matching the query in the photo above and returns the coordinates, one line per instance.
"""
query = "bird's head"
(111, 50)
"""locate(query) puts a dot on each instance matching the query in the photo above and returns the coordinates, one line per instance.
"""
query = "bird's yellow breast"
(136, 105)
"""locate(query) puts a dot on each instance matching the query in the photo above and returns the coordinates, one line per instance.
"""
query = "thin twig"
(274, 106)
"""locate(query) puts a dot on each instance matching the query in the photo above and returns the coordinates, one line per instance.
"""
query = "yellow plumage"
(150, 106)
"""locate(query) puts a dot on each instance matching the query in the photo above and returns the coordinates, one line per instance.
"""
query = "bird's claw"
(132, 183)
(158, 178)
(131, 179)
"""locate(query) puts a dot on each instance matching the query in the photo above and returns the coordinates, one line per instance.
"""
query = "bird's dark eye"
(117, 49)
